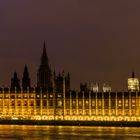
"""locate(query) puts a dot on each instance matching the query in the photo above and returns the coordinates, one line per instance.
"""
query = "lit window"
(133, 100)
(126, 101)
(93, 103)
(59, 103)
(74, 102)
(51, 96)
(32, 96)
(25, 96)
(86, 102)
(59, 95)
(100, 103)
(126, 105)
(120, 101)
(80, 102)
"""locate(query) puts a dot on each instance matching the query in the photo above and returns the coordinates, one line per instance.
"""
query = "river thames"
(17, 132)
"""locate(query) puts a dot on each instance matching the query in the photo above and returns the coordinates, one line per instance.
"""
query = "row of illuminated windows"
(75, 103)
(70, 112)
(59, 103)
(50, 96)
(100, 103)
(18, 103)
(29, 96)
(17, 112)
(16, 96)
(101, 112)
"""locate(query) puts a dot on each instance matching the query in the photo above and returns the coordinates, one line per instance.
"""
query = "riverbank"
(72, 123)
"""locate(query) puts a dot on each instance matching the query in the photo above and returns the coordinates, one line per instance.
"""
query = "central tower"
(44, 75)
(133, 83)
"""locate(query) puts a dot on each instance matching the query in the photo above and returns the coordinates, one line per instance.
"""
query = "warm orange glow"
(133, 84)
(44, 107)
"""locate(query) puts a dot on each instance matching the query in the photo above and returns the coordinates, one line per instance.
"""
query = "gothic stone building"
(52, 99)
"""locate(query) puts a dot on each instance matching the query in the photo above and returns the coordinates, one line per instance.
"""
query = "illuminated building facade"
(52, 99)
(69, 105)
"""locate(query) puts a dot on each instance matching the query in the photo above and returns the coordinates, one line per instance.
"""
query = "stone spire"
(44, 75)
(26, 79)
(44, 58)
(15, 82)
(133, 75)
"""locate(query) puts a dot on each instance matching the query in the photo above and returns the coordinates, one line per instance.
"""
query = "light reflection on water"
(17, 132)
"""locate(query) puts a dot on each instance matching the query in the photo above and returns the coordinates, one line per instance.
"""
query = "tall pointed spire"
(133, 74)
(26, 78)
(44, 58)
(15, 82)
(44, 49)
(44, 75)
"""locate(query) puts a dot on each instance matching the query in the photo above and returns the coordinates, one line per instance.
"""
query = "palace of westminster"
(52, 98)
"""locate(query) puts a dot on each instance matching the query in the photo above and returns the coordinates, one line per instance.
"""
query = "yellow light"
(133, 119)
(113, 118)
(106, 118)
(120, 119)
(67, 118)
(127, 119)
(133, 84)
(80, 118)
(74, 118)
(100, 118)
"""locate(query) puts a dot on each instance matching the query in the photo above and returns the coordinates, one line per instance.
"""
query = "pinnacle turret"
(133, 75)
(44, 75)
(15, 82)
(25, 79)
(44, 58)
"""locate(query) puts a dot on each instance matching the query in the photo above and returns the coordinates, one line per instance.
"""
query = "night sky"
(95, 40)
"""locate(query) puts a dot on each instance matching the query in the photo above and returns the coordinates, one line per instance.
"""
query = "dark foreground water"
(16, 132)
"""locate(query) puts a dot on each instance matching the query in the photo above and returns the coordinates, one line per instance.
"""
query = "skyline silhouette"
(96, 41)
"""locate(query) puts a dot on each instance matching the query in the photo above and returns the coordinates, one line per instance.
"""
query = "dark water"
(15, 132)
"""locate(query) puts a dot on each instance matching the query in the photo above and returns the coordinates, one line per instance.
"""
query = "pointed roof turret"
(15, 74)
(44, 58)
(26, 73)
(26, 78)
(44, 48)
(15, 82)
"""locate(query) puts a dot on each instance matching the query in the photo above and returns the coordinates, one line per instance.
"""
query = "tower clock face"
(133, 84)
